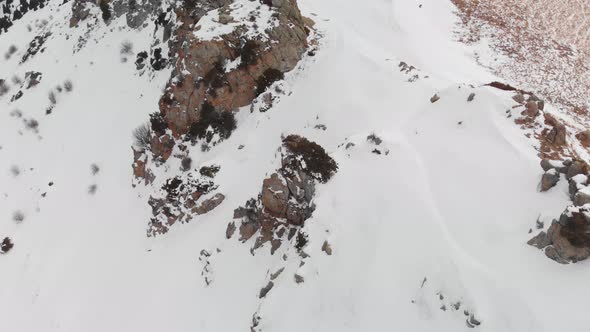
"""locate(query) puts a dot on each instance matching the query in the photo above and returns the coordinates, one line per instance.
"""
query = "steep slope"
(423, 227)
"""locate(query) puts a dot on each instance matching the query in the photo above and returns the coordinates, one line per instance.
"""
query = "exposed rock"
(540, 241)
(200, 74)
(32, 78)
(285, 202)
(266, 289)
(161, 147)
(434, 98)
(298, 278)
(231, 228)
(577, 167)
(532, 109)
(327, 248)
(471, 97)
(275, 195)
(557, 135)
(584, 137)
(519, 98)
(209, 204)
(549, 180)
(179, 201)
(140, 170)
(567, 240)
(581, 198)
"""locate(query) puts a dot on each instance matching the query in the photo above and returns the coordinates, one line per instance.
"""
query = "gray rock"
(266, 289)
(540, 241)
(552, 253)
(577, 167)
(581, 198)
(549, 180)
(434, 98)
(471, 97)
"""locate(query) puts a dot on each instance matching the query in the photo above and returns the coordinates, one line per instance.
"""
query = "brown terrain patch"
(541, 46)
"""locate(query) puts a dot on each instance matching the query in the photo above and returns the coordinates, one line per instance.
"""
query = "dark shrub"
(249, 53)
(186, 164)
(269, 76)
(223, 123)
(172, 187)
(209, 171)
(316, 162)
(6, 245)
(159, 125)
(142, 136)
(106, 10)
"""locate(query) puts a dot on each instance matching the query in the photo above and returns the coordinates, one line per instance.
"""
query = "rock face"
(568, 239)
(230, 70)
(285, 202)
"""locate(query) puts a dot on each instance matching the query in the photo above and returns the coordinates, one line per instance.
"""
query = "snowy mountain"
(282, 165)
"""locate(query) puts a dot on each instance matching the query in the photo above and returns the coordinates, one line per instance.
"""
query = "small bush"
(142, 136)
(374, 139)
(18, 217)
(126, 48)
(267, 79)
(309, 157)
(6, 245)
(106, 10)
(4, 88)
(158, 123)
(186, 164)
(32, 124)
(94, 169)
(248, 53)
(68, 86)
(209, 171)
(92, 189)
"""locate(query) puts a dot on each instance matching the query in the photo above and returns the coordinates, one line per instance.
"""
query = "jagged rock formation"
(286, 199)
(182, 198)
(13, 11)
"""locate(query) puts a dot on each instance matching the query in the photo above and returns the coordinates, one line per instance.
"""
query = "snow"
(210, 28)
(450, 202)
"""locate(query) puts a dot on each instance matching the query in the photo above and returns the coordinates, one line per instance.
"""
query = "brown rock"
(532, 109)
(231, 228)
(584, 137)
(275, 195)
(557, 135)
(549, 180)
(162, 147)
(519, 98)
(540, 241)
(327, 248)
(577, 167)
(209, 204)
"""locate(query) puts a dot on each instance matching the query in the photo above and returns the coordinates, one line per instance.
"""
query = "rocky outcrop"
(557, 134)
(568, 239)
(285, 201)
(180, 200)
(230, 70)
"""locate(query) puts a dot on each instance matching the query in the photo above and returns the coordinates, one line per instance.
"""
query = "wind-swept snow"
(441, 218)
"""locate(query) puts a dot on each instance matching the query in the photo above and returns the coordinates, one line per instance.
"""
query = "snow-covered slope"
(424, 234)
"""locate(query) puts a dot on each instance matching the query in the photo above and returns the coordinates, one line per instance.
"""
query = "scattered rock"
(327, 248)
(266, 289)
(434, 98)
(298, 278)
(471, 97)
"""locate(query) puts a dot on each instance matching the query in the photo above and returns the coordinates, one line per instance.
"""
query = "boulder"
(275, 195)
(568, 239)
(577, 167)
(434, 98)
(532, 109)
(582, 197)
(557, 134)
(549, 180)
